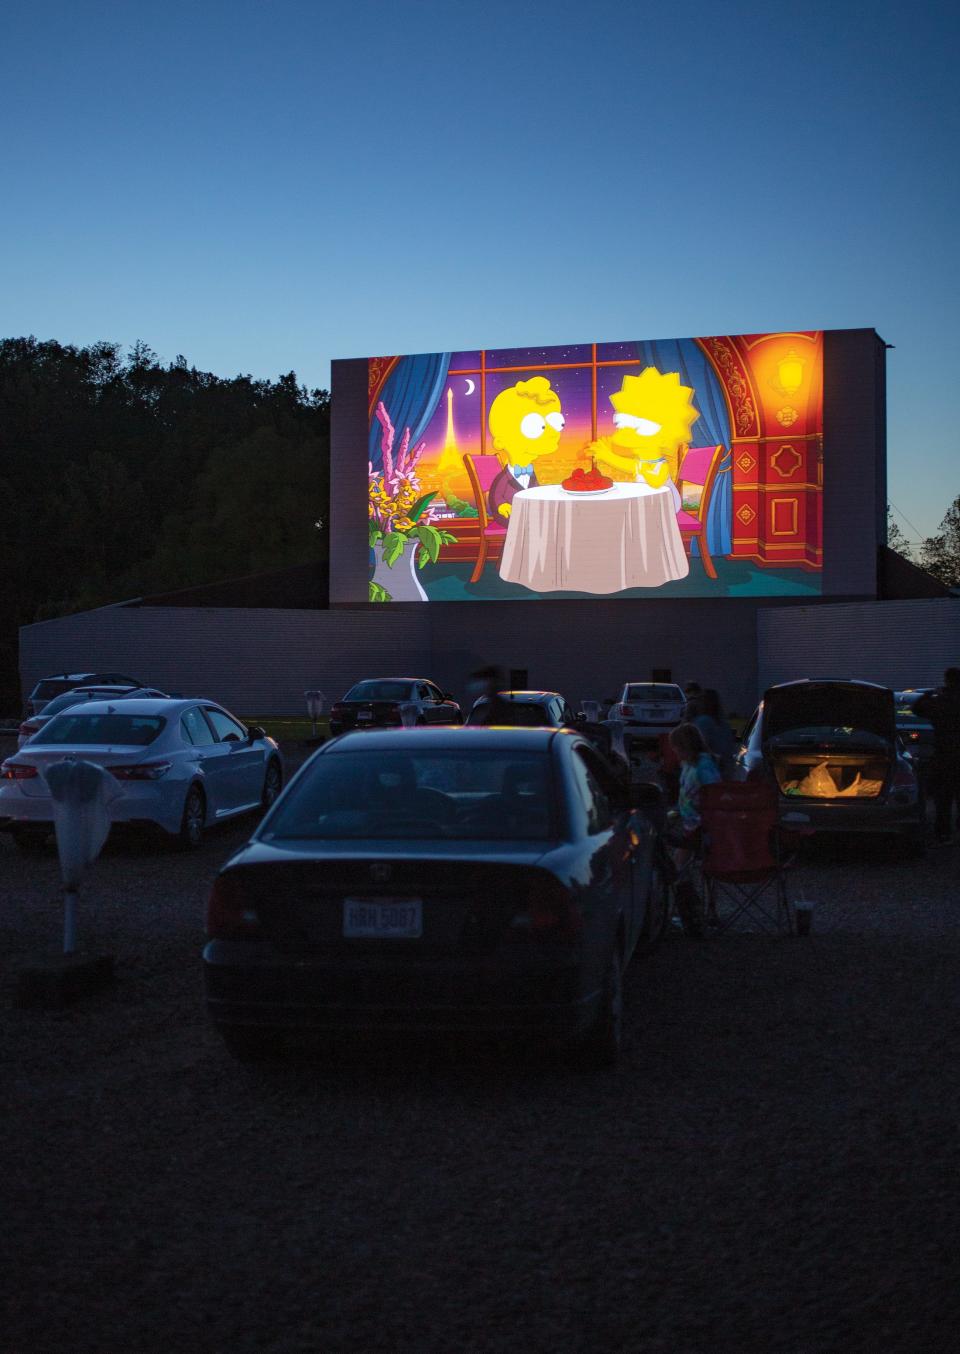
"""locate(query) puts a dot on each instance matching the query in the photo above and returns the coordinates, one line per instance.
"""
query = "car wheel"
(250, 1045)
(658, 910)
(272, 784)
(29, 841)
(194, 819)
(601, 1045)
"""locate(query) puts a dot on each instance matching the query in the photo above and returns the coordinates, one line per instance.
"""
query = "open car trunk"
(812, 773)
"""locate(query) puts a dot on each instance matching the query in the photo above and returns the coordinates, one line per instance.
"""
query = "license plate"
(364, 716)
(653, 712)
(382, 918)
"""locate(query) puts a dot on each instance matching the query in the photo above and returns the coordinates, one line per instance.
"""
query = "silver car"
(180, 765)
(650, 708)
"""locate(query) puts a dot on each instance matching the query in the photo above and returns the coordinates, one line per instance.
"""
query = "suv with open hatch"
(833, 749)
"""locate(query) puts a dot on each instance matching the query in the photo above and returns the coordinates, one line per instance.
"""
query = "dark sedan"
(384, 702)
(478, 880)
(523, 709)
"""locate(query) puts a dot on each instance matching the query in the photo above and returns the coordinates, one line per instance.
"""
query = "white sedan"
(179, 764)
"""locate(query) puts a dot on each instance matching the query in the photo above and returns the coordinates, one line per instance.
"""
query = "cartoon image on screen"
(667, 468)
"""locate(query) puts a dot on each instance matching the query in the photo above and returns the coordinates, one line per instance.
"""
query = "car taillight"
(28, 730)
(338, 708)
(550, 912)
(626, 710)
(142, 771)
(230, 912)
(18, 771)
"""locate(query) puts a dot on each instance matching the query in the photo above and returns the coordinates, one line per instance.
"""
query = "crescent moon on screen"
(471, 387)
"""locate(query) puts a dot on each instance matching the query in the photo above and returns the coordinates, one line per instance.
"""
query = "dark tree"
(120, 477)
(940, 554)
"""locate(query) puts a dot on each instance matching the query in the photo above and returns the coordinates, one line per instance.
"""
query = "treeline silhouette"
(121, 477)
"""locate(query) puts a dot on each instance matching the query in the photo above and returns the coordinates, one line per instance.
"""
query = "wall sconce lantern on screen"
(789, 373)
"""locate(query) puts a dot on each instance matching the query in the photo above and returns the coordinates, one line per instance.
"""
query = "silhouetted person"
(485, 686)
(693, 691)
(942, 708)
(717, 733)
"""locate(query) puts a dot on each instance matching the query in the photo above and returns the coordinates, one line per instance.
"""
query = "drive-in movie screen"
(652, 468)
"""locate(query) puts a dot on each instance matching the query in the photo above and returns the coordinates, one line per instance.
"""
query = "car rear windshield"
(441, 794)
(76, 698)
(82, 728)
(834, 735)
(50, 687)
(513, 715)
(650, 691)
(379, 691)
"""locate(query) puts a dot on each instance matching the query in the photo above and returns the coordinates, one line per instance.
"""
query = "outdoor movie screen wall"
(645, 469)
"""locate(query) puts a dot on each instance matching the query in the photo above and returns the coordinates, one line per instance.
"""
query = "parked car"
(649, 707)
(833, 749)
(378, 702)
(525, 709)
(548, 709)
(180, 765)
(56, 685)
(78, 696)
(475, 879)
(915, 733)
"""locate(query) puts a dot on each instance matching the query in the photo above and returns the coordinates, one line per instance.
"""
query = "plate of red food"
(587, 482)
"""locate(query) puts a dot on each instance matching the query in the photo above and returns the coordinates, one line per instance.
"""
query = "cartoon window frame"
(535, 368)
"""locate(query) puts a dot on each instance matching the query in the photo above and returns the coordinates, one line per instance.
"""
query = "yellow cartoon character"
(525, 422)
(653, 415)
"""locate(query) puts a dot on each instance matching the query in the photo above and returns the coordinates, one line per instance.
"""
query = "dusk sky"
(264, 187)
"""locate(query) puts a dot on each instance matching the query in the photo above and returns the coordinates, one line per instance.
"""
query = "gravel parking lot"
(772, 1167)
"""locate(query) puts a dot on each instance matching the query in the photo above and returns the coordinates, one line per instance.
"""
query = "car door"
(242, 760)
(435, 709)
(629, 845)
(211, 757)
(608, 895)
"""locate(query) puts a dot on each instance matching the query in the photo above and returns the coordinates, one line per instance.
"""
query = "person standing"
(692, 692)
(487, 686)
(697, 768)
(717, 733)
(942, 708)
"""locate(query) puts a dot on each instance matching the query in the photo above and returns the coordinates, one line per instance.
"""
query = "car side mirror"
(254, 731)
(448, 695)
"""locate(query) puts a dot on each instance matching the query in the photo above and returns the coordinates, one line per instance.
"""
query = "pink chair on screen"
(695, 480)
(483, 470)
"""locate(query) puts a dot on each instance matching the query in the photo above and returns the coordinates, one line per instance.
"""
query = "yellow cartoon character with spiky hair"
(525, 422)
(653, 415)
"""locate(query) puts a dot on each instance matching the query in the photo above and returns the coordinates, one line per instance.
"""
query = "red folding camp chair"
(742, 864)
